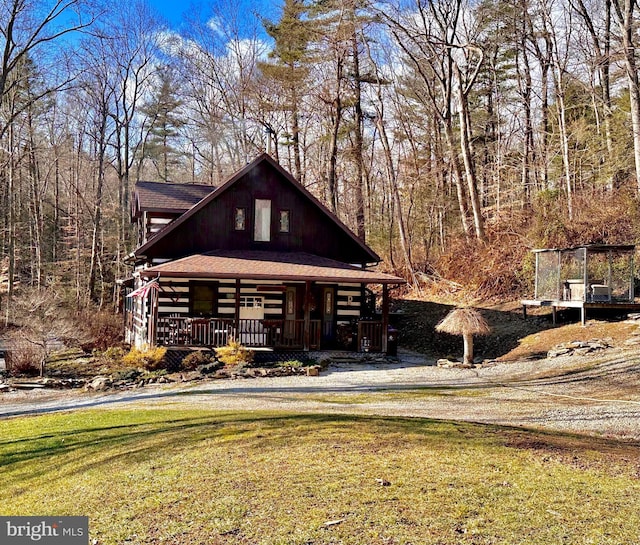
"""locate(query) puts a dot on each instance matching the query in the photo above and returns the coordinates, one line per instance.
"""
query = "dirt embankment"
(512, 338)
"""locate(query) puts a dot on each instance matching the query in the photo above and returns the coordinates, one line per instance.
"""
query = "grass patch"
(543, 341)
(193, 477)
(382, 395)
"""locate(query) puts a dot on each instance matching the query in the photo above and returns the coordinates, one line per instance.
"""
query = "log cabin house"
(258, 259)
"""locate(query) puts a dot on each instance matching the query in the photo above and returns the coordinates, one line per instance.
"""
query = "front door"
(290, 313)
(251, 315)
(328, 316)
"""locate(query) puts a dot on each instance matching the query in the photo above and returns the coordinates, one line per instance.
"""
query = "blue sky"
(171, 10)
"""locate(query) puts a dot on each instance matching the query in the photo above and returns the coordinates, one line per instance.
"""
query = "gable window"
(262, 227)
(284, 221)
(203, 299)
(240, 221)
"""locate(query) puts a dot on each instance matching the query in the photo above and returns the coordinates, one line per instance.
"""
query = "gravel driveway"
(597, 394)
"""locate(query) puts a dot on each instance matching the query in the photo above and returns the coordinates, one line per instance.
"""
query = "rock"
(383, 482)
(555, 352)
(445, 363)
(579, 348)
(448, 364)
(27, 385)
(100, 383)
(313, 371)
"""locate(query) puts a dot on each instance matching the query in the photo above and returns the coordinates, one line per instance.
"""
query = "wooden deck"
(281, 335)
(584, 306)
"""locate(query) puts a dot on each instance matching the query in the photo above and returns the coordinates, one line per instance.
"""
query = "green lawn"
(195, 477)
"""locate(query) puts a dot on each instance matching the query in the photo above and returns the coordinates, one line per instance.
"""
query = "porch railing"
(369, 336)
(212, 332)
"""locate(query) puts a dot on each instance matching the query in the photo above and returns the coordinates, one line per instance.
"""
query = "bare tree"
(429, 40)
(27, 29)
(43, 323)
(624, 10)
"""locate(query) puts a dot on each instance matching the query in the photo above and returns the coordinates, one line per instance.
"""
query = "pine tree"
(164, 121)
(289, 64)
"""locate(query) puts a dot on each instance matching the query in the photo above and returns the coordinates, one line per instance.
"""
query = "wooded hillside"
(452, 135)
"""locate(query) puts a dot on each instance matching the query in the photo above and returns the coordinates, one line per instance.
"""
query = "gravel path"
(597, 394)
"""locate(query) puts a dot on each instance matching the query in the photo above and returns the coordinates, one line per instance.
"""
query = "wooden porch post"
(307, 316)
(237, 312)
(385, 317)
(153, 317)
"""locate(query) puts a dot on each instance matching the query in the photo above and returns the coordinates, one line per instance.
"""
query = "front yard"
(195, 477)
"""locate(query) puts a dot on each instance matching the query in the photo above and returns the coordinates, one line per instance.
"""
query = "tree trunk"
(97, 209)
(358, 151)
(468, 349)
(10, 224)
(393, 180)
(333, 149)
(525, 85)
(457, 177)
(626, 23)
(295, 135)
(469, 167)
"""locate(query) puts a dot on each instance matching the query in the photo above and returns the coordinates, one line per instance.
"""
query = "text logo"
(44, 530)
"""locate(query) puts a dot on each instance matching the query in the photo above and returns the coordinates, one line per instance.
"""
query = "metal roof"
(168, 197)
(591, 248)
(259, 265)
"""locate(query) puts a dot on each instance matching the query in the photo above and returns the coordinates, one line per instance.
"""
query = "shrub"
(211, 368)
(295, 364)
(23, 358)
(103, 329)
(113, 353)
(234, 354)
(195, 359)
(150, 359)
(127, 374)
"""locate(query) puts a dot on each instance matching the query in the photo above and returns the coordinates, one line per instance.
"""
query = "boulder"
(99, 383)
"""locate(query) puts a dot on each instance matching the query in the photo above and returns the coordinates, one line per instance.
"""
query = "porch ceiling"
(257, 265)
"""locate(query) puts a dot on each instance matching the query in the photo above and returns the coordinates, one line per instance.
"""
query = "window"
(251, 301)
(240, 219)
(262, 227)
(284, 221)
(203, 299)
(328, 302)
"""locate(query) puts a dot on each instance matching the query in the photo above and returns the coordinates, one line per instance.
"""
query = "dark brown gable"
(211, 225)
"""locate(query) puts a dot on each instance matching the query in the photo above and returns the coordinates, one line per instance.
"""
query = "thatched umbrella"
(466, 322)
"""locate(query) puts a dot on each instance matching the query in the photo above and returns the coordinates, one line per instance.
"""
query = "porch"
(277, 301)
(279, 335)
